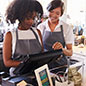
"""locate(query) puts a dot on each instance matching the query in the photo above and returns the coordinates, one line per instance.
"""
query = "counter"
(82, 53)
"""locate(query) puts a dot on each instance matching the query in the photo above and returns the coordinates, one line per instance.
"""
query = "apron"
(49, 38)
(23, 47)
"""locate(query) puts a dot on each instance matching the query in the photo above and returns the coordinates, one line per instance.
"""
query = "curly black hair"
(55, 4)
(19, 9)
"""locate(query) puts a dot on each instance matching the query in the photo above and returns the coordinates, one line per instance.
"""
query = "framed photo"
(43, 76)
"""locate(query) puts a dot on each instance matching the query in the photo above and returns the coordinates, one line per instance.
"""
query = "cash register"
(25, 71)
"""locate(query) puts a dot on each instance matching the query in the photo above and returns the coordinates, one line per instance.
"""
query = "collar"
(58, 25)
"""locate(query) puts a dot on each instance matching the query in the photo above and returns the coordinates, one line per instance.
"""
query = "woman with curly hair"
(24, 39)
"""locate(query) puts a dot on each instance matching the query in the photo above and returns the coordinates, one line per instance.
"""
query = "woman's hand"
(57, 46)
(67, 51)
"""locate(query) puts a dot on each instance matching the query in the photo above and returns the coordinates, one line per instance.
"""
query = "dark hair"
(19, 9)
(55, 4)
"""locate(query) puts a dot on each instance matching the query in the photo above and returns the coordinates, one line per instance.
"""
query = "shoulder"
(11, 35)
(8, 34)
(7, 38)
(66, 27)
(68, 33)
(42, 25)
(39, 32)
(36, 30)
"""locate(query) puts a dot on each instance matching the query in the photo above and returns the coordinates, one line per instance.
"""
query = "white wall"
(44, 3)
(77, 11)
(3, 5)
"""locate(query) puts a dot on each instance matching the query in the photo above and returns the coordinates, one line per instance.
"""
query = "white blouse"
(67, 30)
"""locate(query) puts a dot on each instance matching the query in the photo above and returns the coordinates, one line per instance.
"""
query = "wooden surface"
(80, 50)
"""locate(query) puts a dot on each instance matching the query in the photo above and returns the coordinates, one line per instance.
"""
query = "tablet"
(43, 76)
(33, 61)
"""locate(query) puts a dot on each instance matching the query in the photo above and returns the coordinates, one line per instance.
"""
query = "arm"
(7, 51)
(40, 38)
(67, 51)
(69, 39)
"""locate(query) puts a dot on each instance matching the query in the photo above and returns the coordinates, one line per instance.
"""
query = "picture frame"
(43, 76)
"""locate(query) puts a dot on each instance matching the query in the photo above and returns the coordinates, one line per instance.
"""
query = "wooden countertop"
(79, 49)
